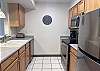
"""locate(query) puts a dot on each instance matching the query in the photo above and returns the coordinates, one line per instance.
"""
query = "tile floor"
(45, 64)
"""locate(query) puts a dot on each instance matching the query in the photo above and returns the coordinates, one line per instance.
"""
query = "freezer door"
(92, 65)
(84, 63)
(81, 64)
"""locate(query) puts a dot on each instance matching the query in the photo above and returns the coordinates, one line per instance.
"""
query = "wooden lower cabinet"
(73, 60)
(18, 61)
(22, 59)
(27, 56)
(13, 67)
(31, 49)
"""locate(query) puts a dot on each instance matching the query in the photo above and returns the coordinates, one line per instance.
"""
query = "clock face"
(47, 20)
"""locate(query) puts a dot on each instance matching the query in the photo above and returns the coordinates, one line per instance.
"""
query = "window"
(1, 27)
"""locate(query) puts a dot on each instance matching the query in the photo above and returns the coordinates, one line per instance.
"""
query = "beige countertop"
(74, 46)
(8, 48)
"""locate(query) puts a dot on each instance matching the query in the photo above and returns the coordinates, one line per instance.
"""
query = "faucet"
(5, 38)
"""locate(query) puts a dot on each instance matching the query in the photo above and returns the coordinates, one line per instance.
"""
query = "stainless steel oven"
(65, 53)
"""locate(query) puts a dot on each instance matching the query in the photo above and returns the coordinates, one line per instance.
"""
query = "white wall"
(47, 38)
(6, 21)
(74, 2)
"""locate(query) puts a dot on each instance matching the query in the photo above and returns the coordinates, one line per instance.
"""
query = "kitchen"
(49, 35)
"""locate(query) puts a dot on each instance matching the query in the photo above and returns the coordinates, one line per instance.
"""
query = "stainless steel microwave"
(75, 21)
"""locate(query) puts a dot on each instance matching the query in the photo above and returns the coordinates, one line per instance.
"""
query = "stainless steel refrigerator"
(89, 42)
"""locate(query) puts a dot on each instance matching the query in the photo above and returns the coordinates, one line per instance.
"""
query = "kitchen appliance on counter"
(74, 36)
(20, 35)
(65, 52)
(75, 22)
(89, 42)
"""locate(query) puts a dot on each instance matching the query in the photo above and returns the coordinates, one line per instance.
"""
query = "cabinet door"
(73, 62)
(13, 66)
(70, 16)
(89, 5)
(27, 56)
(21, 16)
(97, 4)
(75, 10)
(22, 61)
(81, 6)
(31, 49)
(13, 15)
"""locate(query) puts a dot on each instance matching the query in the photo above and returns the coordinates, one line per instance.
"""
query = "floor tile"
(47, 66)
(46, 61)
(36, 69)
(46, 58)
(28, 69)
(57, 70)
(59, 61)
(59, 58)
(30, 66)
(54, 61)
(56, 66)
(54, 58)
(33, 61)
(38, 61)
(46, 69)
(61, 66)
(39, 58)
(37, 66)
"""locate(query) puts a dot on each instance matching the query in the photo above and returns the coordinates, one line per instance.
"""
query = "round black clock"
(47, 20)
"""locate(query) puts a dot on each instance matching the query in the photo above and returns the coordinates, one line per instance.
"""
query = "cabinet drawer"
(8, 61)
(22, 49)
(27, 45)
(13, 66)
(74, 51)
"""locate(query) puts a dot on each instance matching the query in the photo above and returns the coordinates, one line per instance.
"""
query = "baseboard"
(46, 55)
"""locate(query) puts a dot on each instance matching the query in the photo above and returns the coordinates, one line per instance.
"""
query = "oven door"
(64, 55)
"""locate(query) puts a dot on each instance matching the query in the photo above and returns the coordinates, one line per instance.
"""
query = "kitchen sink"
(13, 43)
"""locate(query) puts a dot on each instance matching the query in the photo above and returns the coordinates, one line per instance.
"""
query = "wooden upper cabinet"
(70, 16)
(16, 15)
(22, 16)
(97, 4)
(81, 6)
(89, 5)
(75, 10)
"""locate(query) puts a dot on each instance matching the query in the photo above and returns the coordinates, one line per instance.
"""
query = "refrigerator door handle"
(83, 19)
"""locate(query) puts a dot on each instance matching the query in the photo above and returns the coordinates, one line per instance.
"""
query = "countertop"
(11, 46)
(75, 46)
(65, 39)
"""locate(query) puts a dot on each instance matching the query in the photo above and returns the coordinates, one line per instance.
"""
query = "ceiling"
(55, 1)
